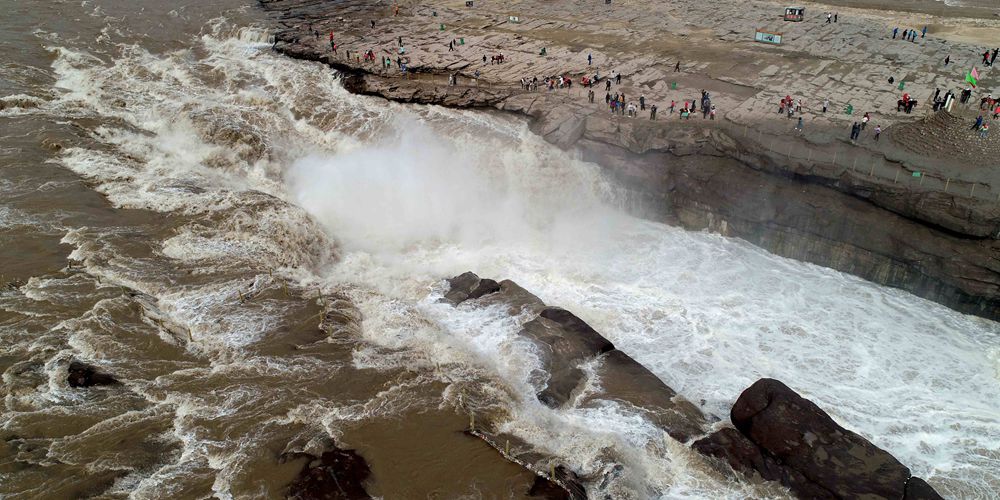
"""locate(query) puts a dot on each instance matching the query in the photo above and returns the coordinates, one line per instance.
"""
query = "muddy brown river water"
(179, 205)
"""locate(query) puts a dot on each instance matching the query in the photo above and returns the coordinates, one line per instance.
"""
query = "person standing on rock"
(451, 46)
(895, 31)
(906, 34)
(835, 16)
(642, 103)
(618, 78)
(979, 123)
(798, 127)
(607, 98)
(652, 112)
(711, 114)
(864, 121)
(673, 104)
(829, 18)
(986, 58)
(590, 59)
(923, 33)
(947, 59)
(878, 132)
(855, 131)
(607, 85)
(984, 130)
(677, 67)
(826, 104)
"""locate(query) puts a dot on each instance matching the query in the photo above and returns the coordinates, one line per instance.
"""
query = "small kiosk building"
(795, 13)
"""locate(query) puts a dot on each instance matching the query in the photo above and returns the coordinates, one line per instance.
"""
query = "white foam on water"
(709, 315)
(413, 195)
(20, 104)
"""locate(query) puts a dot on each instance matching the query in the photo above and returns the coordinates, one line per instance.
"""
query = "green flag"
(916, 174)
(971, 79)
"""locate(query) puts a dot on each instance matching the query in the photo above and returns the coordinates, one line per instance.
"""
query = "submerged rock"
(81, 374)
(571, 488)
(336, 475)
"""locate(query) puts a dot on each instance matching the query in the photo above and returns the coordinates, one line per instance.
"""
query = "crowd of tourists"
(618, 104)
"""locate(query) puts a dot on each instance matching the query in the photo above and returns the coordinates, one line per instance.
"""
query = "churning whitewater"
(263, 172)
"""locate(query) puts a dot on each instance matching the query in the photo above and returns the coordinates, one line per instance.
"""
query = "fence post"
(835, 151)
(946, 184)
(855, 166)
(973, 192)
(872, 171)
(897, 177)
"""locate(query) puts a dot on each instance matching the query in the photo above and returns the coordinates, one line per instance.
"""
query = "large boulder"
(802, 436)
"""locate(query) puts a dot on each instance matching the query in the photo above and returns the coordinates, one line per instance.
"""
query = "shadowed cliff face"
(835, 222)
(939, 246)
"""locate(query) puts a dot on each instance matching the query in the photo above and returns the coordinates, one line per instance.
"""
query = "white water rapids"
(396, 198)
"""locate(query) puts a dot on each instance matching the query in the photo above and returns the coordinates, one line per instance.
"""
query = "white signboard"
(767, 37)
